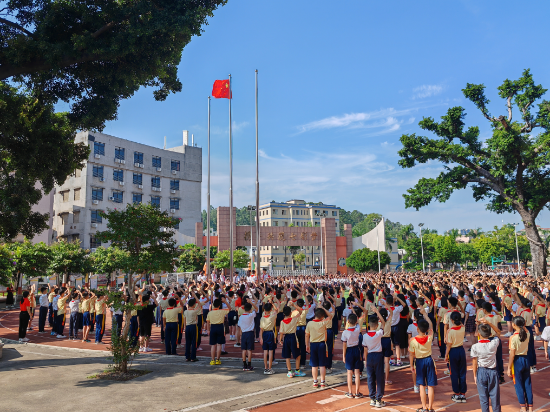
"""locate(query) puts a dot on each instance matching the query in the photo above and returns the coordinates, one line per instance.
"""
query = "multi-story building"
(294, 213)
(119, 172)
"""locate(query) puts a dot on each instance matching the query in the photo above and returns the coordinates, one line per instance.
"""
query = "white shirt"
(54, 302)
(246, 321)
(73, 305)
(471, 309)
(373, 343)
(546, 334)
(44, 301)
(204, 302)
(310, 310)
(413, 330)
(486, 353)
(351, 336)
(395, 316)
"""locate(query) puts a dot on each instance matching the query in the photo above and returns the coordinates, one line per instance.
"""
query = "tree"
(468, 253)
(366, 225)
(95, 54)
(7, 265)
(509, 169)
(300, 258)
(222, 259)
(67, 258)
(38, 151)
(446, 250)
(108, 260)
(191, 259)
(364, 260)
(213, 219)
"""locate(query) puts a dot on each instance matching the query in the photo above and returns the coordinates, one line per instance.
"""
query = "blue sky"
(340, 82)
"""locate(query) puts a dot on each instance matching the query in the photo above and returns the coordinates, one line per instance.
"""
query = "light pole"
(376, 221)
(321, 214)
(251, 209)
(422, 246)
(517, 249)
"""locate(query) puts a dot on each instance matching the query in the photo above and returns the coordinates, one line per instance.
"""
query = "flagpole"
(208, 202)
(257, 193)
(230, 189)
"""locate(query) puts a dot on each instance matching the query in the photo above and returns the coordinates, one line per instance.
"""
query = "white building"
(119, 172)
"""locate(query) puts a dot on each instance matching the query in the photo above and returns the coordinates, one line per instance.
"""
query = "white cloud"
(427, 90)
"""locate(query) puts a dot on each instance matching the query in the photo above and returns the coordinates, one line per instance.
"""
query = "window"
(275, 212)
(275, 223)
(97, 171)
(117, 196)
(119, 153)
(77, 194)
(286, 223)
(175, 165)
(267, 212)
(174, 204)
(78, 172)
(138, 179)
(334, 213)
(316, 223)
(97, 193)
(137, 197)
(118, 175)
(155, 200)
(156, 161)
(155, 182)
(283, 212)
(99, 148)
(96, 217)
(177, 225)
(174, 185)
(76, 217)
(94, 242)
(76, 238)
(138, 157)
(64, 218)
(64, 195)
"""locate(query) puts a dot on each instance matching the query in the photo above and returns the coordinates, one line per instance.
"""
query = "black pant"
(24, 318)
(43, 314)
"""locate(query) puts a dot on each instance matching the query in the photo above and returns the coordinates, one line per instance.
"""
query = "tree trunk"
(538, 250)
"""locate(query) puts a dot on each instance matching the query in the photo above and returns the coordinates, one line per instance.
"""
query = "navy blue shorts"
(280, 317)
(507, 314)
(318, 354)
(290, 347)
(86, 319)
(386, 347)
(232, 318)
(353, 358)
(247, 340)
(217, 334)
(268, 338)
(426, 374)
(395, 335)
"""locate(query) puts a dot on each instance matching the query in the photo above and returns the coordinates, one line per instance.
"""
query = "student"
(170, 325)
(100, 312)
(232, 317)
(267, 336)
(301, 331)
(494, 320)
(396, 312)
(387, 314)
(470, 313)
(316, 337)
(73, 320)
(412, 332)
(24, 316)
(441, 326)
(484, 367)
(372, 342)
(287, 338)
(134, 325)
(526, 313)
(545, 336)
(86, 317)
(214, 320)
(192, 333)
(246, 324)
(162, 306)
(518, 364)
(352, 353)
(420, 356)
(455, 356)
(43, 313)
(60, 319)
(51, 316)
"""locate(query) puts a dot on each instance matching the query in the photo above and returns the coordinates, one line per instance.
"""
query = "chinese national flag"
(220, 90)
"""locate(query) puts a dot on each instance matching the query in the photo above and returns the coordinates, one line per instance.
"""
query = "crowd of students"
(381, 319)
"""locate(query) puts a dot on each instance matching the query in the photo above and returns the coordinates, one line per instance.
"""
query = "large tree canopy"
(94, 53)
(510, 169)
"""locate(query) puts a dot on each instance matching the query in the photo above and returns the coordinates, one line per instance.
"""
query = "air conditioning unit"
(136, 164)
(97, 156)
(140, 186)
(95, 202)
(172, 210)
(121, 183)
(174, 172)
(122, 161)
(172, 191)
(117, 160)
(159, 169)
(93, 249)
(94, 224)
(156, 189)
(112, 199)
(101, 179)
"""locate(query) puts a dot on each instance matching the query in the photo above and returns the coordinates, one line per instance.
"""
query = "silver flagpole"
(230, 189)
(258, 273)
(208, 202)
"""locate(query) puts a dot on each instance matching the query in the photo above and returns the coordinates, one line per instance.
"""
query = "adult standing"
(24, 316)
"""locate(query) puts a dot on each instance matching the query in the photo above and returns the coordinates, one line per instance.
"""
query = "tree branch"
(17, 27)
(105, 28)
(509, 105)
(493, 186)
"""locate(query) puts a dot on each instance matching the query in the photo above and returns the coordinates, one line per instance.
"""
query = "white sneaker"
(25, 339)
(149, 349)
(141, 349)
(20, 339)
(416, 389)
(533, 369)
(329, 371)
(60, 337)
(274, 362)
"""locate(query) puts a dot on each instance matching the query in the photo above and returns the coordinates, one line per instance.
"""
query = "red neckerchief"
(287, 321)
(415, 324)
(316, 320)
(483, 341)
(473, 305)
(526, 310)
(371, 334)
(392, 307)
(169, 308)
(422, 339)
(456, 327)
(267, 316)
(351, 330)
(164, 298)
(337, 296)
(489, 316)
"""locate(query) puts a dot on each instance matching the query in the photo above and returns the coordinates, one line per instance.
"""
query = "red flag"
(220, 90)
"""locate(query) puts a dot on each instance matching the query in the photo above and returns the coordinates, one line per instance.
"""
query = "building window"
(99, 148)
(177, 225)
(283, 212)
(76, 217)
(94, 242)
(118, 175)
(155, 201)
(138, 179)
(97, 193)
(334, 213)
(316, 223)
(64, 218)
(156, 161)
(174, 204)
(97, 171)
(138, 157)
(155, 182)
(137, 197)
(76, 194)
(174, 185)
(77, 172)
(286, 223)
(76, 238)
(275, 212)
(117, 196)
(119, 153)
(175, 165)
(64, 195)
(96, 217)
(275, 223)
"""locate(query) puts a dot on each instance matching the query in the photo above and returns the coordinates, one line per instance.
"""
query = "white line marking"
(333, 398)
(538, 409)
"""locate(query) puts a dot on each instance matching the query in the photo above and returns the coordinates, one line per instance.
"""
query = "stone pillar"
(223, 228)
(330, 260)
(198, 234)
(349, 245)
